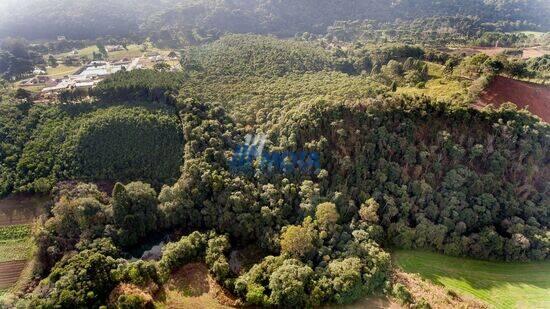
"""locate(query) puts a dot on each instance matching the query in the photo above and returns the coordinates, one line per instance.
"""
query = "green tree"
(327, 215)
(289, 285)
(135, 212)
(298, 241)
(52, 61)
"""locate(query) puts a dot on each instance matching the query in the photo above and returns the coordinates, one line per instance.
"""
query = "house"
(38, 71)
(37, 80)
(87, 85)
(113, 48)
(87, 77)
(157, 58)
(57, 88)
(173, 55)
(43, 79)
(151, 54)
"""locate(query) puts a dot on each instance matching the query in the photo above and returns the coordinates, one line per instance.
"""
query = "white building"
(91, 75)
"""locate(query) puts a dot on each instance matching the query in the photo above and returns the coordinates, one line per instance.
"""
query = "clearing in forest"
(193, 287)
(500, 284)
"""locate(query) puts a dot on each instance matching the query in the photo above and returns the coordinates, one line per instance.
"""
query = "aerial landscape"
(269, 153)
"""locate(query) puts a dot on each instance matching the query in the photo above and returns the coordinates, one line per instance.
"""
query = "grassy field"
(60, 71)
(437, 87)
(133, 51)
(87, 52)
(500, 284)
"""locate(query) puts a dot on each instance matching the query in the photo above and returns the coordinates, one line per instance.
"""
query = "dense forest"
(319, 135)
(42, 145)
(192, 21)
(246, 55)
(435, 31)
(394, 171)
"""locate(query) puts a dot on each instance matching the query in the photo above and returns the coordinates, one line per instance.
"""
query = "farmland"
(15, 250)
(16, 246)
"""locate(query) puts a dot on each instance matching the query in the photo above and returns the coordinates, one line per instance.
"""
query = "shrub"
(401, 292)
(188, 249)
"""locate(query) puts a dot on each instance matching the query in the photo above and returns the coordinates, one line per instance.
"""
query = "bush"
(188, 249)
(401, 292)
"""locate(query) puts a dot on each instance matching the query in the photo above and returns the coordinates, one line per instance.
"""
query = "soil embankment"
(21, 209)
(534, 97)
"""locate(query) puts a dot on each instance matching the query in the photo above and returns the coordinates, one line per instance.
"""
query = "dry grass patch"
(193, 287)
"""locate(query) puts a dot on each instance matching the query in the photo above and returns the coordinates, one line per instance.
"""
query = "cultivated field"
(535, 97)
(499, 284)
(16, 216)
(10, 272)
(15, 251)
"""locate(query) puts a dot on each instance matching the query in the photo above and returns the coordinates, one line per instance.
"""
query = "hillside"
(197, 20)
(225, 165)
(534, 97)
(502, 285)
(81, 141)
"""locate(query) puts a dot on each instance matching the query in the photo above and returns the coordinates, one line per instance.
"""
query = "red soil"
(10, 272)
(534, 97)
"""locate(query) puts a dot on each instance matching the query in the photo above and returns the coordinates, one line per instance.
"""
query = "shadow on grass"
(478, 274)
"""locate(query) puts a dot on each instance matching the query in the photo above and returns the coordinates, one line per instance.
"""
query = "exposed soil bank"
(21, 208)
(534, 97)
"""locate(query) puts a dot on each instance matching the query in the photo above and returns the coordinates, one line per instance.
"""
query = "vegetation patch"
(15, 243)
(14, 232)
(14, 250)
(245, 55)
(193, 286)
(503, 285)
(84, 141)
